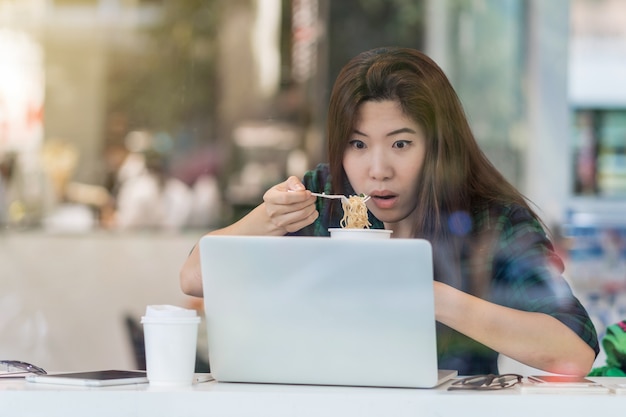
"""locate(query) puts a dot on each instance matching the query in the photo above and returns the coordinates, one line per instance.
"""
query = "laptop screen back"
(312, 310)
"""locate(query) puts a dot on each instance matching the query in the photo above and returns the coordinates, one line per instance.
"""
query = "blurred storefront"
(595, 226)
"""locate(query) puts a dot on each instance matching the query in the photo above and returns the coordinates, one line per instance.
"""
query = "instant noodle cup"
(344, 233)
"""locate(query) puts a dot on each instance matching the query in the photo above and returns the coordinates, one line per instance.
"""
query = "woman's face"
(383, 159)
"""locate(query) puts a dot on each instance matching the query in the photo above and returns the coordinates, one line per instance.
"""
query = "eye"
(401, 144)
(356, 144)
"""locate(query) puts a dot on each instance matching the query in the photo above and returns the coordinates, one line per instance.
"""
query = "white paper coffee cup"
(170, 337)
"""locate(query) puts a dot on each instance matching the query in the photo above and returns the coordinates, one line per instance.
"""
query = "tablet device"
(92, 378)
(561, 380)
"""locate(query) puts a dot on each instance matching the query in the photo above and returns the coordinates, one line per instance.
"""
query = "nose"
(380, 168)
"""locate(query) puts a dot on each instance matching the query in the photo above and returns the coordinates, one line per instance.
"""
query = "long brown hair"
(456, 175)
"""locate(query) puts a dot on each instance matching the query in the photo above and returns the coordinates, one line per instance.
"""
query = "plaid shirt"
(500, 253)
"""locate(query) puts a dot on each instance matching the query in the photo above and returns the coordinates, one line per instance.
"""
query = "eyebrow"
(392, 133)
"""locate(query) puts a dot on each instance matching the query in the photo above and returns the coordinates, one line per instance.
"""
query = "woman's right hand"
(289, 206)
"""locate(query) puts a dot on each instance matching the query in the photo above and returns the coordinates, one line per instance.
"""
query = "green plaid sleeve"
(527, 273)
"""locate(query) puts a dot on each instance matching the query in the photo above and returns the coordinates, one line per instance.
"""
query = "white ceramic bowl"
(341, 233)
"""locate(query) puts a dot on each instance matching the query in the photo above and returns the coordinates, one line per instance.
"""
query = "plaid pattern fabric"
(507, 259)
(500, 253)
(527, 273)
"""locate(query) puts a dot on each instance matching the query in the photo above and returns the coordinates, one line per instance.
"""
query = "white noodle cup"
(341, 233)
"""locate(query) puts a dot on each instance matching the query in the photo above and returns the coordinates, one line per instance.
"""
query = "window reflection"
(81, 80)
(175, 116)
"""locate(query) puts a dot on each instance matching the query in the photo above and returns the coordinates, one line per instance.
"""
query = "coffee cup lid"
(166, 312)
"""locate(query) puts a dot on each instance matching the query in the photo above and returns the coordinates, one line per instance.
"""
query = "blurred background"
(128, 128)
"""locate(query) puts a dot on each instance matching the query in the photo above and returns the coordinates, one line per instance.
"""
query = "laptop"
(320, 311)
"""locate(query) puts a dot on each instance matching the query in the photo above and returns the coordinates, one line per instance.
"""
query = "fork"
(334, 196)
(342, 197)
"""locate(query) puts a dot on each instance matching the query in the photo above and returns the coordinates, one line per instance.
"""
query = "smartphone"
(562, 384)
(92, 378)
(561, 380)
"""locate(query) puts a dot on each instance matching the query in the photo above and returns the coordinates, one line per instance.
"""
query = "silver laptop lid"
(312, 310)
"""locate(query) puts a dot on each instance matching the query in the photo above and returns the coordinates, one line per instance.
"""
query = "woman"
(397, 132)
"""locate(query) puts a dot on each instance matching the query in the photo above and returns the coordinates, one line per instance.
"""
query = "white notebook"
(314, 310)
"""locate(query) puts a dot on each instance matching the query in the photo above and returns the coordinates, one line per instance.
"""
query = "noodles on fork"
(355, 213)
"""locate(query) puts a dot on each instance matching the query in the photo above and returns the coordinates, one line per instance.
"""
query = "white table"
(19, 398)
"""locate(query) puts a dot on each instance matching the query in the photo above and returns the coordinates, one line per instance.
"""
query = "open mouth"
(383, 196)
(384, 200)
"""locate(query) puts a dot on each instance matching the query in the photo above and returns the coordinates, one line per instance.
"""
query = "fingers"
(294, 184)
(290, 206)
(289, 192)
(292, 222)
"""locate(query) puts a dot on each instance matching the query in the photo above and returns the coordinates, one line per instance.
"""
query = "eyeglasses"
(18, 369)
(486, 382)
